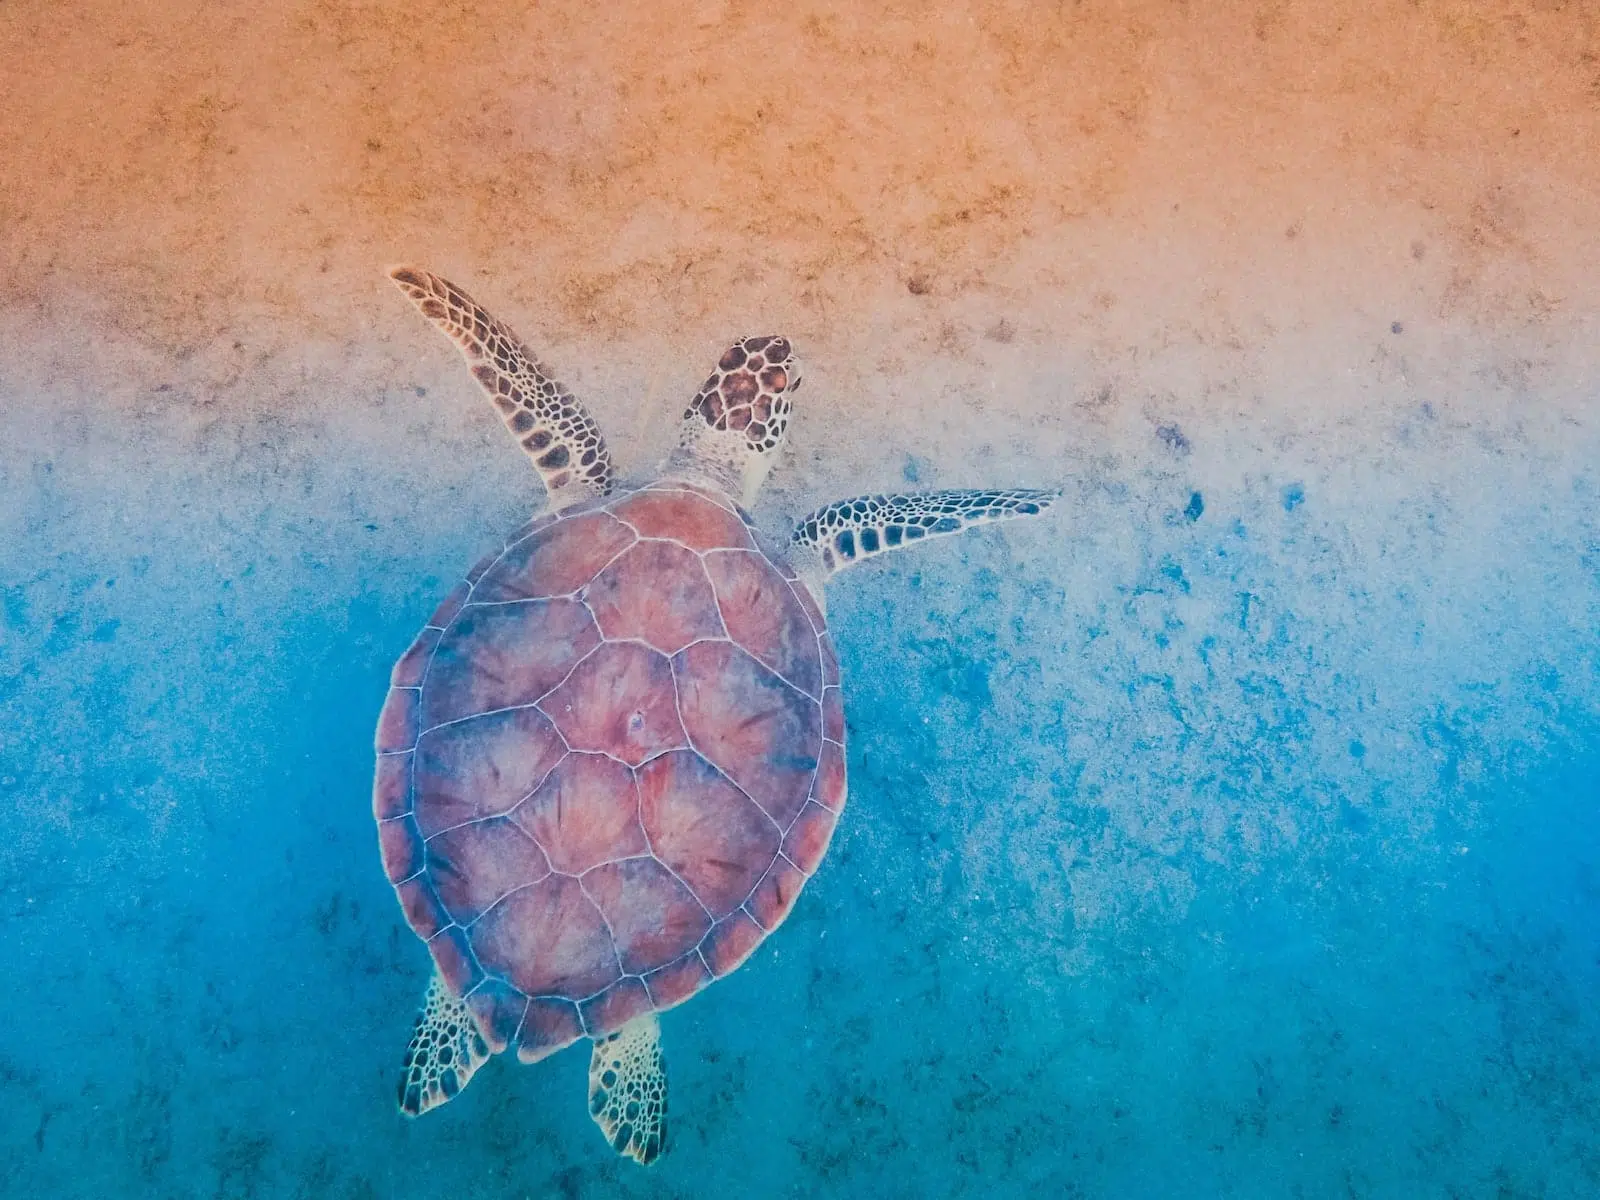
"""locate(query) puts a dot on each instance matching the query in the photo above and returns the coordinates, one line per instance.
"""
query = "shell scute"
(422, 908)
(657, 592)
(499, 655)
(678, 980)
(615, 1007)
(621, 701)
(498, 1009)
(829, 788)
(830, 661)
(585, 813)
(707, 832)
(833, 715)
(683, 516)
(452, 954)
(550, 1024)
(532, 526)
(548, 939)
(557, 560)
(776, 893)
(653, 917)
(398, 724)
(391, 786)
(807, 839)
(757, 729)
(482, 766)
(763, 616)
(400, 843)
(474, 866)
(413, 664)
(684, 485)
(732, 941)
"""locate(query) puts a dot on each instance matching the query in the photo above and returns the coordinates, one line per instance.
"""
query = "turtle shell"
(609, 763)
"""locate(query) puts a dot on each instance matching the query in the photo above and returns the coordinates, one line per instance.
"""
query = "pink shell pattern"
(608, 764)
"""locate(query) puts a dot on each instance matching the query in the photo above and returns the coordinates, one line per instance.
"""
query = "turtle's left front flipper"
(847, 531)
(548, 422)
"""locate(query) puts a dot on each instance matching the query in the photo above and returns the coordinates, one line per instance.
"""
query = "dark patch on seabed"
(1125, 902)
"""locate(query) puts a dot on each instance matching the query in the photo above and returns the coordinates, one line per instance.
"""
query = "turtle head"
(734, 427)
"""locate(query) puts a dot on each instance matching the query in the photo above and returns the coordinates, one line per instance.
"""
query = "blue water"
(1192, 849)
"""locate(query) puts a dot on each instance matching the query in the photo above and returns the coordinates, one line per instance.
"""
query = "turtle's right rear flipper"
(628, 1089)
(847, 531)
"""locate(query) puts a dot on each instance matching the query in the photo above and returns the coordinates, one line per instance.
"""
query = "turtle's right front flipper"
(548, 422)
(847, 531)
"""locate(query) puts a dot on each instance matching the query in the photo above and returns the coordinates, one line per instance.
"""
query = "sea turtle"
(615, 754)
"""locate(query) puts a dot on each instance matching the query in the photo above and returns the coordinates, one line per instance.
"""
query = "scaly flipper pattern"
(628, 1089)
(548, 422)
(445, 1052)
(847, 531)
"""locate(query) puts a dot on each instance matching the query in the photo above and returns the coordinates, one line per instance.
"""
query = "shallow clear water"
(1187, 853)
(1233, 832)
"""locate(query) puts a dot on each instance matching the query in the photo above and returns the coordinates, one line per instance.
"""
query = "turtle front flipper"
(548, 422)
(445, 1051)
(628, 1089)
(848, 531)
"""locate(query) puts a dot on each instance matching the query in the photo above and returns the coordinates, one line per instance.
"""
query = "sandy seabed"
(1231, 833)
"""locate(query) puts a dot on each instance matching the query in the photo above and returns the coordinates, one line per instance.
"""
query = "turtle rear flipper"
(445, 1051)
(847, 531)
(628, 1089)
(548, 422)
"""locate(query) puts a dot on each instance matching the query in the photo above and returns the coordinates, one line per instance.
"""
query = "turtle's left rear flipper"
(847, 531)
(446, 1051)
(548, 422)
